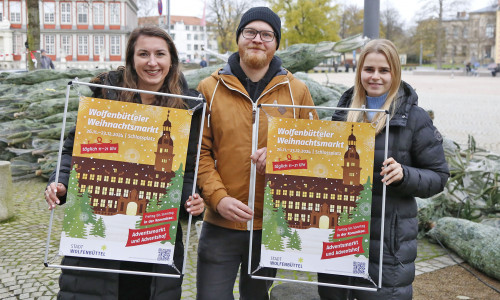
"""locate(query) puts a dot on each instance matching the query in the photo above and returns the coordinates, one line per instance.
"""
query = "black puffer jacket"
(110, 286)
(416, 144)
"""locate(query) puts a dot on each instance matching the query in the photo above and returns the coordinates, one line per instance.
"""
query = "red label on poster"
(147, 235)
(161, 216)
(346, 231)
(99, 147)
(342, 248)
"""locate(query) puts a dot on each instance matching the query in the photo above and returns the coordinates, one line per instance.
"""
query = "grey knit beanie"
(262, 14)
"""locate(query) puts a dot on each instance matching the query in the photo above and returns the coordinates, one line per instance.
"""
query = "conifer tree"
(172, 199)
(99, 228)
(71, 201)
(268, 222)
(362, 212)
(295, 242)
(282, 223)
(87, 211)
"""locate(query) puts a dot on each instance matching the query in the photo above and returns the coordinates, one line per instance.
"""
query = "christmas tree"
(295, 242)
(362, 212)
(282, 223)
(87, 211)
(172, 199)
(269, 224)
(99, 228)
(74, 220)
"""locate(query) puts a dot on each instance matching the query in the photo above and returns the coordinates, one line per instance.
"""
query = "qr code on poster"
(358, 267)
(163, 254)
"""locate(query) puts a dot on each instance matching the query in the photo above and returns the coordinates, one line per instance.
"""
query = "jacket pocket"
(393, 235)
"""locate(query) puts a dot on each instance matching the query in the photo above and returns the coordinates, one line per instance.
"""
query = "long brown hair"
(171, 84)
(388, 49)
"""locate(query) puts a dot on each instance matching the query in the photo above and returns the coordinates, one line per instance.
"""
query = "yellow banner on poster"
(316, 148)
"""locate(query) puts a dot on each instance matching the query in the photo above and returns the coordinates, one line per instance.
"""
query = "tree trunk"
(33, 33)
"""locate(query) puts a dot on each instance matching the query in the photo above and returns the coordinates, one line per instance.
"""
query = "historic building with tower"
(318, 202)
(117, 187)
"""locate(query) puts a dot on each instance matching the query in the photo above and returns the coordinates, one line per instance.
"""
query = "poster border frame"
(61, 142)
(251, 198)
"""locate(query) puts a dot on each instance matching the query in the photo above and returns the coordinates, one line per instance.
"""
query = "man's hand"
(234, 210)
(52, 194)
(259, 158)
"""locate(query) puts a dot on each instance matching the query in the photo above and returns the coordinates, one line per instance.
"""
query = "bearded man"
(252, 76)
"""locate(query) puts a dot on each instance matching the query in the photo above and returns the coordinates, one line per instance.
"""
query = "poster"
(317, 199)
(126, 180)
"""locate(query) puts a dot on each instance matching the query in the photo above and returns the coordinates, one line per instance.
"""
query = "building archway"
(324, 222)
(131, 209)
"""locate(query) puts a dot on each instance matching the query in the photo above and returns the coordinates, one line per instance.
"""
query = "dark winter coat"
(103, 285)
(416, 144)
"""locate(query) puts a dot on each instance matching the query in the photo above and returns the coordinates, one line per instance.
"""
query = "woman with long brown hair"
(151, 64)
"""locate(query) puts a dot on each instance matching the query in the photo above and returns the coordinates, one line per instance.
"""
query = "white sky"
(406, 8)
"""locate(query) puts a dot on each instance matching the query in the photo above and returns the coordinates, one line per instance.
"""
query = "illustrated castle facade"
(123, 187)
(318, 202)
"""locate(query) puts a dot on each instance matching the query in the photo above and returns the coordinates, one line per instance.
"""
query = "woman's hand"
(259, 158)
(195, 205)
(391, 171)
(52, 194)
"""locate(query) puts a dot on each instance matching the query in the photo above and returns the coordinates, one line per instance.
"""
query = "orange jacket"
(224, 167)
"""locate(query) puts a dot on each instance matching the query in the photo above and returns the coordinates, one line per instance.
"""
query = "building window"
(310, 206)
(283, 203)
(97, 190)
(1, 11)
(49, 12)
(95, 202)
(83, 46)
(65, 13)
(465, 33)
(490, 30)
(125, 193)
(311, 195)
(114, 13)
(106, 178)
(318, 195)
(297, 205)
(290, 204)
(277, 203)
(148, 195)
(332, 208)
(135, 181)
(98, 13)
(120, 179)
(15, 11)
(141, 194)
(82, 188)
(189, 36)
(316, 206)
(110, 203)
(296, 217)
(304, 194)
(98, 44)
(289, 218)
(50, 41)
(285, 192)
(99, 177)
(82, 13)
(104, 190)
(111, 191)
(66, 49)
(18, 44)
(143, 182)
(304, 205)
(118, 192)
(90, 189)
(189, 47)
(113, 179)
(278, 192)
(127, 180)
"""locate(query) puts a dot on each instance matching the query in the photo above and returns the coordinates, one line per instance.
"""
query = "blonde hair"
(386, 48)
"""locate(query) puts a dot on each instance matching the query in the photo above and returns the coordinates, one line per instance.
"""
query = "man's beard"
(255, 60)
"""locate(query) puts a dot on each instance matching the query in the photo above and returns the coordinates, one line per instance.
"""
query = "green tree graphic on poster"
(171, 199)
(282, 223)
(87, 211)
(268, 216)
(71, 201)
(99, 228)
(152, 206)
(294, 242)
(362, 212)
(343, 220)
(275, 241)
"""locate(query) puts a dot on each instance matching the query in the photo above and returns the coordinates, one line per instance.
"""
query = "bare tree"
(438, 10)
(33, 32)
(351, 21)
(226, 14)
(147, 8)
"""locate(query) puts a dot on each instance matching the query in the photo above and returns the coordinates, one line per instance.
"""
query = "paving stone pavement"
(23, 240)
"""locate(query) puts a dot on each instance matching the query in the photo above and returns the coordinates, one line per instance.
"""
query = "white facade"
(75, 34)
(189, 36)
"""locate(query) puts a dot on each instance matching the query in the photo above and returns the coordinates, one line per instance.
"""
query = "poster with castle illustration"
(125, 182)
(317, 198)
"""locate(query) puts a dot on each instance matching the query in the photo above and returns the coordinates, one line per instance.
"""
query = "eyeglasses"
(265, 35)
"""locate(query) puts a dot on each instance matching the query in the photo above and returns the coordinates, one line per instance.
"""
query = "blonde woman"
(415, 167)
